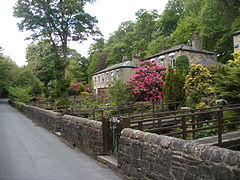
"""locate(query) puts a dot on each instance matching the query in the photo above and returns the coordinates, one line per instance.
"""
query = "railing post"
(220, 127)
(125, 123)
(184, 127)
(93, 111)
(105, 134)
(153, 109)
(102, 113)
(140, 125)
(193, 126)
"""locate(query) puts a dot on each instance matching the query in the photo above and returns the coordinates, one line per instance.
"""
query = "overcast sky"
(110, 14)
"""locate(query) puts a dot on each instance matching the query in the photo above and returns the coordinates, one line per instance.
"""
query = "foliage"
(57, 22)
(26, 79)
(147, 83)
(174, 85)
(151, 33)
(42, 61)
(20, 94)
(77, 88)
(228, 81)
(8, 69)
(182, 64)
(198, 87)
(119, 94)
(58, 89)
(77, 67)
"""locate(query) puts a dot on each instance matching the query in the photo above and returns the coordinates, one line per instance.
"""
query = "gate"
(112, 128)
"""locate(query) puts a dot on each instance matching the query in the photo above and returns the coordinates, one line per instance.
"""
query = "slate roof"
(236, 33)
(125, 64)
(207, 62)
(180, 47)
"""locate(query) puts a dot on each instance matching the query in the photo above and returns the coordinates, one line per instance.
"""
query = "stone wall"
(150, 156)
(82, 133)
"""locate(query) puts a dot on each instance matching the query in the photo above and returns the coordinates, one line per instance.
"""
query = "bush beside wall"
(150, 156)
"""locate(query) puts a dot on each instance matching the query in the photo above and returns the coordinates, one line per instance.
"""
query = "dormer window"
(118, 74)
(172, 60)
(161, 60)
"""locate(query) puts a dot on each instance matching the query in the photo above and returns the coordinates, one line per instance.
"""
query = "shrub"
(20, 94)
(182, 64)
(228, 81)
(119, 94)
(174, 85)
(198, 89)
(147, 83)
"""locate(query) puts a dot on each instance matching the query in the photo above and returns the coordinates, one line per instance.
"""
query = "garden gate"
(112, 127)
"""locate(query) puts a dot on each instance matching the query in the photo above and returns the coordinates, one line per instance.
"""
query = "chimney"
(124, 58)
(136, 59)
(196, 41)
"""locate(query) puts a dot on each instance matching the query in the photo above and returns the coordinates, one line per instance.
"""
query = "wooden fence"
(188, 123)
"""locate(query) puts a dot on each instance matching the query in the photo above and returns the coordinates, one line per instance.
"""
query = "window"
(95, 80)
(173, 62)
(107, 74)
(161, 60)
(98, 79)
(112, 76)
(103, 78)
(118, 74)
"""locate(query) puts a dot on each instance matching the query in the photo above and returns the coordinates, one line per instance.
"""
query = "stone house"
(195, 53)
(103, 78)
(236, 41)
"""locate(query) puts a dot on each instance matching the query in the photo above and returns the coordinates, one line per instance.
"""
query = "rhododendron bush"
(147, 83)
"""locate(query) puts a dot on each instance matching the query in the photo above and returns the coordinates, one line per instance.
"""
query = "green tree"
(41, 61)
(228, 81)
(77, 68)
(8, 70)
(28, 82)
(119, 94)
(57, 21)
(174, 85)
(198, 87)
(170, 17)
(182, 64)
(217, 18)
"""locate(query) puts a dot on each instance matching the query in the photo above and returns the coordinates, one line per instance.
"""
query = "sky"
(109, 13)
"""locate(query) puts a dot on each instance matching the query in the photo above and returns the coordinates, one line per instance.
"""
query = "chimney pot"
(196, 41)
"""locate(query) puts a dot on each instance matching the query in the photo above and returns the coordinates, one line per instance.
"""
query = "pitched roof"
(236, 33)
(180, 47)
(207, 62)
(125, 64)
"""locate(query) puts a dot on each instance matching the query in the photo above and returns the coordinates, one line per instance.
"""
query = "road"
(29, 152)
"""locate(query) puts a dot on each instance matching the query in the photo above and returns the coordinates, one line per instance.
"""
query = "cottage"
(195, 53)
(123, 71)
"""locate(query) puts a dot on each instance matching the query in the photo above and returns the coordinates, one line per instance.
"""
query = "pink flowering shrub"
(74, 86)
(147, 83)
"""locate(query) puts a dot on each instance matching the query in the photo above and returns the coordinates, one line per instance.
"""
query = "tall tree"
(8, 70)
(56, 20)
(42, 61)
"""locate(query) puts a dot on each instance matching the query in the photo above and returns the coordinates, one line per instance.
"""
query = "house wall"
(194, 57)
(101, 81)
(236, 42)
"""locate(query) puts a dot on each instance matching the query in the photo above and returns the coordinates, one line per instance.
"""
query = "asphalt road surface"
(29, 152)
